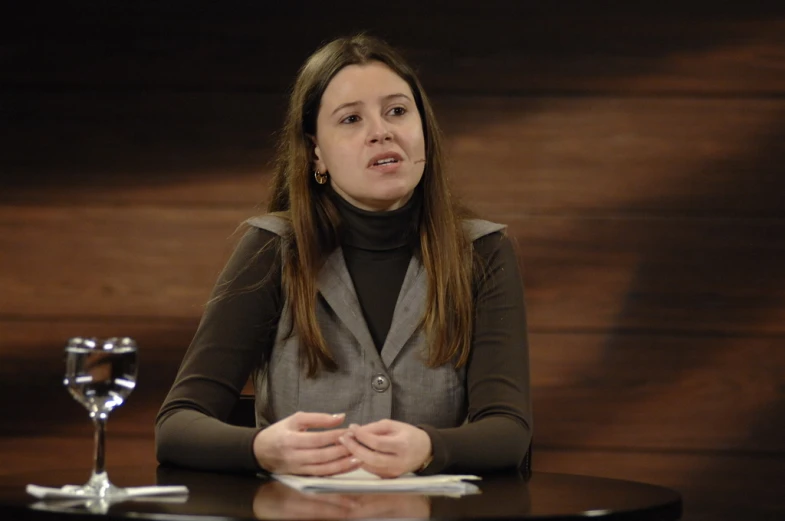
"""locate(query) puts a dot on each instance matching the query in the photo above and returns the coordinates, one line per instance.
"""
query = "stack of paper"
(362, 481)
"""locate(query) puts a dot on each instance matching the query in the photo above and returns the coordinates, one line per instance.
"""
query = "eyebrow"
(356, 103)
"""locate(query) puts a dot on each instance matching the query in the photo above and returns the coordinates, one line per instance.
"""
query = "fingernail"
(339, 415)
(353, 426)
(354, 461)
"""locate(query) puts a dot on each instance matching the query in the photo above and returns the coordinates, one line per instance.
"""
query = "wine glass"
(100, 375)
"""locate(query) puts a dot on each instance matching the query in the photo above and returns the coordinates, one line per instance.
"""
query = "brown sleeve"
(499, 426)
(235, 333)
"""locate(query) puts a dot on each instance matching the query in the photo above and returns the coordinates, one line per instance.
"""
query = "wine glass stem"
(99, 464)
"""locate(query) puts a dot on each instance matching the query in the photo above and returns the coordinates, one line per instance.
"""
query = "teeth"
(386, 161)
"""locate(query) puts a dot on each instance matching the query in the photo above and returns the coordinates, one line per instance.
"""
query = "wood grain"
(505, 47)
(637, 157)
(607, 156)
(652, 274)
(659, 392)
(71, 262)
(580, 273)
(137, 146)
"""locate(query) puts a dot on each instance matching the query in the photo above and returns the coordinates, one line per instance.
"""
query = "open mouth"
(386, 158)
(386, 161)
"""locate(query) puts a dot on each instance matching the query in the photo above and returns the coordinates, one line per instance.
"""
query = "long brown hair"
(445, 252)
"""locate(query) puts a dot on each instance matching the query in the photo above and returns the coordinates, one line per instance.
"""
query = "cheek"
(414, 137)
(343, 152)
(328, 156)
(413, 140)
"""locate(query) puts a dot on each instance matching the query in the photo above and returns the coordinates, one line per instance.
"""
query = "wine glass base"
(98, 486)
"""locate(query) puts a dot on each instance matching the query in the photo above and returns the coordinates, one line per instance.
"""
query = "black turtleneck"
(377, 247)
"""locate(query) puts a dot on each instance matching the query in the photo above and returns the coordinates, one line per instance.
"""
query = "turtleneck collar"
(378, 231)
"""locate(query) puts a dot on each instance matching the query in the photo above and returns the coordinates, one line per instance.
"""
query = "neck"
(378, 230)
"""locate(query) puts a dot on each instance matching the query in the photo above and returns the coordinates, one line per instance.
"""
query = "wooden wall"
(636, 152)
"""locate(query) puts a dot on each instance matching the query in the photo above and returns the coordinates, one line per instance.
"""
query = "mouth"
(389, 158)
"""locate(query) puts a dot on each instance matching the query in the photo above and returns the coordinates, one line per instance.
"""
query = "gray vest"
(368, 385)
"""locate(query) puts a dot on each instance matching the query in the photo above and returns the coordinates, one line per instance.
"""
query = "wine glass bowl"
(100, 375)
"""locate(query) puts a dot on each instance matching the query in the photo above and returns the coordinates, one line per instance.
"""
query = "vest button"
(380, 383)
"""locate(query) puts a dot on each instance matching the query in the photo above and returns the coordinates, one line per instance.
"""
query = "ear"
(318, 162)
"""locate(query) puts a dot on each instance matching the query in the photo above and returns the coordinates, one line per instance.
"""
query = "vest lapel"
(336, 286)
(409, 310)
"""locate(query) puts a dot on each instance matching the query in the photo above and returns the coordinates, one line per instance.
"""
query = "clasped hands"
(387, 448)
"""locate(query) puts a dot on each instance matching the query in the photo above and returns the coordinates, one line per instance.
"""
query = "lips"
(389, 158)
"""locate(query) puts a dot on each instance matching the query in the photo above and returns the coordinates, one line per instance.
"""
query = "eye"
(397, 111)
(350, 119)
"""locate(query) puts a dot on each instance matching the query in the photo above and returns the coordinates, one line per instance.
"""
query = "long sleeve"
(499, 427)
(235, 334)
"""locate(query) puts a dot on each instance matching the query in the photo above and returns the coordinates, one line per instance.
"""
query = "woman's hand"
(388, 448)
(287, 448)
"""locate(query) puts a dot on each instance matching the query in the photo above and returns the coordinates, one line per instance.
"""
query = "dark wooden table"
(544, 496)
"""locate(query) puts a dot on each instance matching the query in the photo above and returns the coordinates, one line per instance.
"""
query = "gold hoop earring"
(320, 177)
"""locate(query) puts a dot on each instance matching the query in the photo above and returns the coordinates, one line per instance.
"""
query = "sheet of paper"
(362, 481)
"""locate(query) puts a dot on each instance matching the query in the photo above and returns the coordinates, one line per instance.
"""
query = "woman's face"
(369, 137)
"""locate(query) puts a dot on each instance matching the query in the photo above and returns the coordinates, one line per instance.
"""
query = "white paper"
(362, 481)
(74, 492)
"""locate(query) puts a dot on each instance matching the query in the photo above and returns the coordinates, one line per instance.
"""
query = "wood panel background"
(635, 150)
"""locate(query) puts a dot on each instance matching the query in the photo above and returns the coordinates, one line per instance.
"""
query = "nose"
(379, 132)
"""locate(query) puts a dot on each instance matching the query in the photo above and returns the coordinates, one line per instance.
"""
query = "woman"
(383, 328)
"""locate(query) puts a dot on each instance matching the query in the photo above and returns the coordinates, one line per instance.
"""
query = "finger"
(323, 455)
(389, 471)
(368, 456)
(383, 443)
(301, 421)
(339, 466)
(314, 440)
(385, 426)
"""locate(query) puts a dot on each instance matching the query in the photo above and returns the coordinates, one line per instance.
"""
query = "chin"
(391, 196)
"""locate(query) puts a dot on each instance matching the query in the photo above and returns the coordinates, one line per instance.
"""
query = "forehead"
(363, 83)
